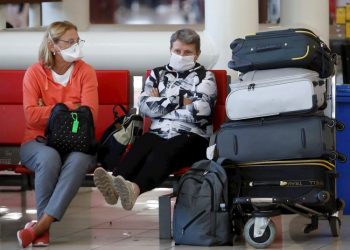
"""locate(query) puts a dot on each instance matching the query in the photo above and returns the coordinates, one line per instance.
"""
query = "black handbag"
(71, 130)
(115, 140)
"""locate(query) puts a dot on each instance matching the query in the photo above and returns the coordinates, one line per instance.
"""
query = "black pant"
(152, 159)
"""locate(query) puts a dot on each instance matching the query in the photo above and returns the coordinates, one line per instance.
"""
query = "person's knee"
(49, 158)
(80, 161)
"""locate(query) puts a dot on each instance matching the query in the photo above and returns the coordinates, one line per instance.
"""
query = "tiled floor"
(92, 224)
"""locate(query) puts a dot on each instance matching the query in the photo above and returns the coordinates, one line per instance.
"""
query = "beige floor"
(92, 224)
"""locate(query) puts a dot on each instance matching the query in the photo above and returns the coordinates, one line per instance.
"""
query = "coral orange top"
(38, 83)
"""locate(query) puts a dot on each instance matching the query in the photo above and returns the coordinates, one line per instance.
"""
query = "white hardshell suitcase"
(283, 91)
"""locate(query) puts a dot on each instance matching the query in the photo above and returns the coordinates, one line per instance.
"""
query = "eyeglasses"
(72, 42)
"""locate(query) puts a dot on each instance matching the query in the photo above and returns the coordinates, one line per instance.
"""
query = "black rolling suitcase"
(282, 48)
(307, 182)
(261, 190)
(277, 139)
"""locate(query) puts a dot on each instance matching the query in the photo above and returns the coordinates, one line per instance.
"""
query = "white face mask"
(71, 54)
(181, 63)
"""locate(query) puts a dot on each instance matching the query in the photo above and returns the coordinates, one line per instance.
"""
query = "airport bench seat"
(114, 88)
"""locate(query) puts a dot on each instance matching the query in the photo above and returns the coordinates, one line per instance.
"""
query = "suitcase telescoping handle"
(284, 183)
(267, 183)
(268, 47)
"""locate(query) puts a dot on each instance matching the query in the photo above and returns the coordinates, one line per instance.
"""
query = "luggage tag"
(75, 122)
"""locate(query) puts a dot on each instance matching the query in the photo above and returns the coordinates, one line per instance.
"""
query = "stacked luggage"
(281, 133)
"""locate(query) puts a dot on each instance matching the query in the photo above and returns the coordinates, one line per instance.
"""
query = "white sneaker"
(126, 192)
(104, 182)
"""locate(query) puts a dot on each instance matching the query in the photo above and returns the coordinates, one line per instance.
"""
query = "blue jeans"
(57, 178)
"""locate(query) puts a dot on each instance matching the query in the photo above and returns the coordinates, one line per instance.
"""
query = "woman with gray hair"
(60, 76)
(179, 98)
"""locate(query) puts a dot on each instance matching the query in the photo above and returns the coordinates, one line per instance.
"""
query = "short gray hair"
(187, 36)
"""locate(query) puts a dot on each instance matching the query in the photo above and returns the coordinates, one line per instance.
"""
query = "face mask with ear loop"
(71, 54)
(181, 63)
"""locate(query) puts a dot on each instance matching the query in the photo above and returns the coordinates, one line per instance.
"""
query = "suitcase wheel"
(333, 156)
(334, 223)
(335, 219)
(339, 126)
(341, 157)
(259, 242)
(323, 196)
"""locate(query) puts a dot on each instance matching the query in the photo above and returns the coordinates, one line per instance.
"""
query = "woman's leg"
(128, 168)
(165, 158)
(135, 158)
(72, 174)
(55, 185)
(46, 163)
(169, 156)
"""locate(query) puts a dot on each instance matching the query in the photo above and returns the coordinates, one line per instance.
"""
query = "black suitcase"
(261, 190)
(282, 48)
(277, 139)
(307, 182)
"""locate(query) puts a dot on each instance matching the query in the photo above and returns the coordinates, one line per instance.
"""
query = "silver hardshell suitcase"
(283, 91)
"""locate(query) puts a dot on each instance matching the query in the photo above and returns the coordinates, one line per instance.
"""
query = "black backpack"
(201, 212)
(117, 137)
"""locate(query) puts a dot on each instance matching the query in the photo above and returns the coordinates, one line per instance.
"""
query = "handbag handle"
(115, 112)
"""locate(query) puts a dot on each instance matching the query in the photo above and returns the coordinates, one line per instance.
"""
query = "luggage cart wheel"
(259, 242)
(336, 218)
(312, 226)
(334, 224)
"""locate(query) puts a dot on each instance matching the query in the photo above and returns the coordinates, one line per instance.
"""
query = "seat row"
(114, 87)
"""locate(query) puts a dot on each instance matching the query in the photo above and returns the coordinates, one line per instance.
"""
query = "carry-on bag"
(201, 212)
(284, 91)
(115, 140)
(282, 48)
(277, 139)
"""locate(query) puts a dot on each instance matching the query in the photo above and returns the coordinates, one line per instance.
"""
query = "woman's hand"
(41, 102)
(186, 101)
(154, 92)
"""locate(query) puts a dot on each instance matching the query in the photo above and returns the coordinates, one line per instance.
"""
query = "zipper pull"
(205, 172)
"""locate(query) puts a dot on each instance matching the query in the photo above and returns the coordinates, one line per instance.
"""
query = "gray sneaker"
(126, 192)
(104, 182)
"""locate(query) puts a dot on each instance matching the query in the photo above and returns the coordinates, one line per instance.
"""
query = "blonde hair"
(52, 34)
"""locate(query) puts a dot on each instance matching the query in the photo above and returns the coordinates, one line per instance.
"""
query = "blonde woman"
(60, 76)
